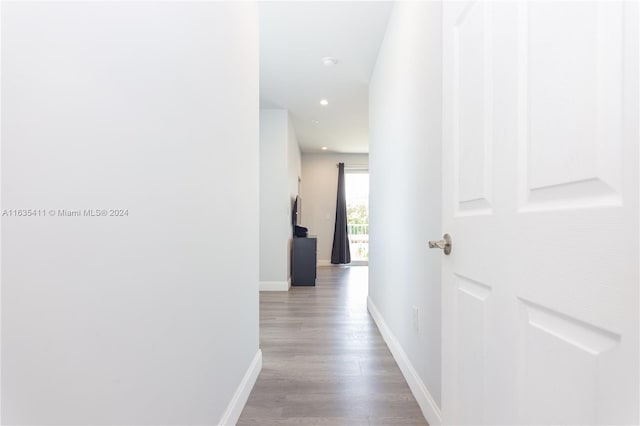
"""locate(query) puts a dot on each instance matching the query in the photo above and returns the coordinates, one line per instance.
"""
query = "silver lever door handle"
(444, 244)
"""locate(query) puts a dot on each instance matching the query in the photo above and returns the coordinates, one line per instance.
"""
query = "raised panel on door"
(471, 320)
(564, 362)
(472, 109)
(569, 104)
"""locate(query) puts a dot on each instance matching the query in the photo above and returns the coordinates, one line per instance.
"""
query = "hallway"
(324, 361)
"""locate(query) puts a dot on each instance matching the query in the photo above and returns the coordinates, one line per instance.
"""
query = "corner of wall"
(241, 396)
(427, 403)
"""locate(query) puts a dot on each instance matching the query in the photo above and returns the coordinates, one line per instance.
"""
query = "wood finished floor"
(324, 361)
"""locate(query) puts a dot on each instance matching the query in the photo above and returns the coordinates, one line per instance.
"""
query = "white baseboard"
(427, 404)
(324, 262)
(235, 407)
(275, 285)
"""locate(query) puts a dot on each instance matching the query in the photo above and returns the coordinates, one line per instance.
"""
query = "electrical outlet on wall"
(416, 322)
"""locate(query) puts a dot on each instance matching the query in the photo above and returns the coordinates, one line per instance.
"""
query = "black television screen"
(296, 213)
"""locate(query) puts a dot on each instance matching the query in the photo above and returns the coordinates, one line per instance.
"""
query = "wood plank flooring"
(324, 361)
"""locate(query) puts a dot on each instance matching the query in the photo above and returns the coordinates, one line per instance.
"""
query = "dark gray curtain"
(340, 252)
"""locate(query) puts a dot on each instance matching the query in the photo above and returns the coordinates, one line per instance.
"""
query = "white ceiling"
(294, 37)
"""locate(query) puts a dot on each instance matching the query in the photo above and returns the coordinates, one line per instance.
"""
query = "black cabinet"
(303, 262)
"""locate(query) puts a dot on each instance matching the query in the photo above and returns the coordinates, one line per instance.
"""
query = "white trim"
(324, 262)
(235, 407)
(427, 404)
(275, 285)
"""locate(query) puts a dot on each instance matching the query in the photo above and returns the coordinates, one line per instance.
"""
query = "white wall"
(294, 163)
(405, 158)
(319, 191)
(279, 172)
(152, 107)
(275, 229)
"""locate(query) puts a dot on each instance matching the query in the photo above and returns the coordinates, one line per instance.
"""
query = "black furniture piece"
(303, 262)
(300, 231)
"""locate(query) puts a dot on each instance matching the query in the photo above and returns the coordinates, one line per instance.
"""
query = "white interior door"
(540, 196)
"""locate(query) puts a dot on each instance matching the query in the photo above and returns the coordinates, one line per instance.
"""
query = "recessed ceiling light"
(324, 102)
(315, 121)
(324, 148)
(329, 61)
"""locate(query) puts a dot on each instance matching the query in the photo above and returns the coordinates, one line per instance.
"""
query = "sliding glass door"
(357, 191)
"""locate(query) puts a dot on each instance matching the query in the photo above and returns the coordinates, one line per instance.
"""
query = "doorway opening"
(357, 192)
